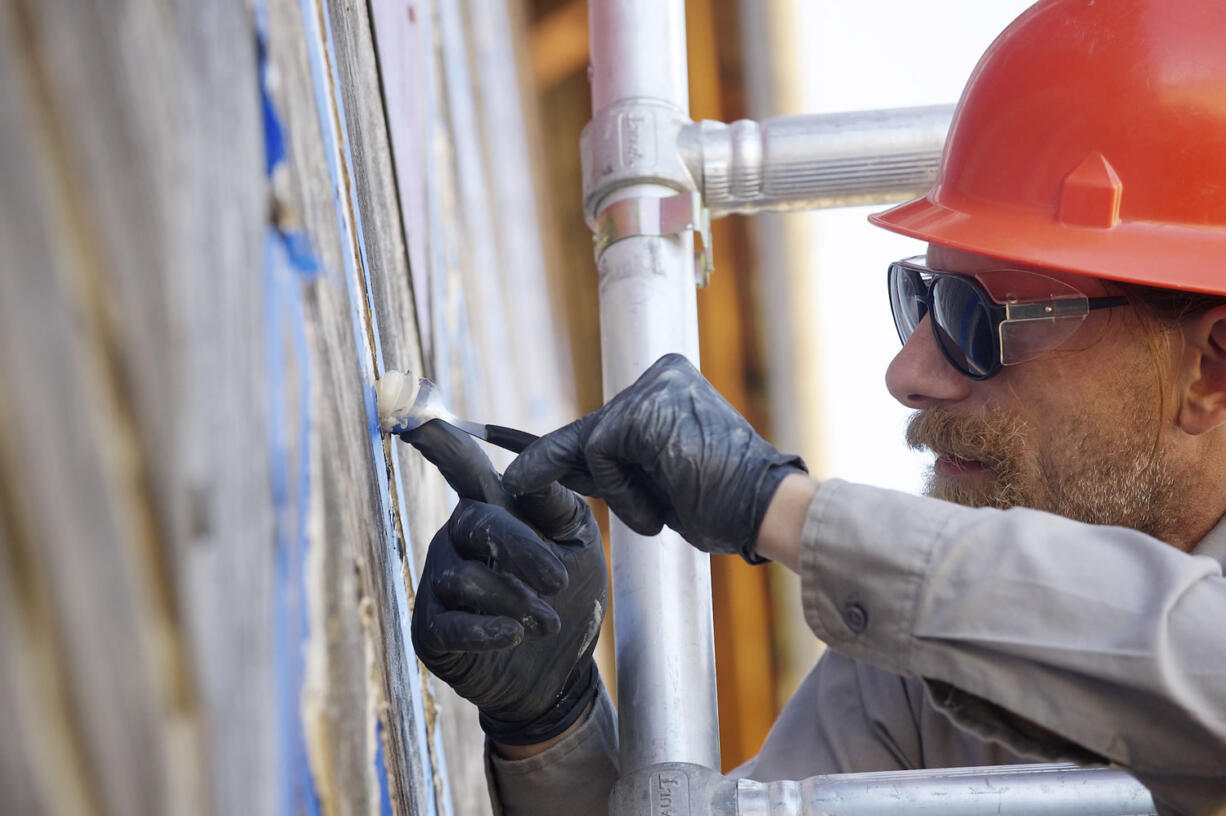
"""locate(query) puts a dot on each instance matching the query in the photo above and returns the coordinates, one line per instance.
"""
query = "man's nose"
(919, 375)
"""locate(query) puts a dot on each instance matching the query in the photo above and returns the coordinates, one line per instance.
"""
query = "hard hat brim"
(1190, 258)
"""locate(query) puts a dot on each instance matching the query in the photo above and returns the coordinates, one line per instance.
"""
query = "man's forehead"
(950, 259)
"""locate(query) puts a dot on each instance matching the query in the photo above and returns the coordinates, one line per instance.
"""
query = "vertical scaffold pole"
(661, 586)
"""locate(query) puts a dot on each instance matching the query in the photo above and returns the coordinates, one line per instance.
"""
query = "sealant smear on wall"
(287, 262)
(332, 120)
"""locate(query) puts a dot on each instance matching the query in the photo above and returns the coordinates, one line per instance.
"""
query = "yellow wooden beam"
(559, 44)
(745, 667)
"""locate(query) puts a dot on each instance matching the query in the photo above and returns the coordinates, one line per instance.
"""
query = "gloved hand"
(508, 615)
(667, 450)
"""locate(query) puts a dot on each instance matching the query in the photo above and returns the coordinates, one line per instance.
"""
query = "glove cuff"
(581, 689)
(767, 485)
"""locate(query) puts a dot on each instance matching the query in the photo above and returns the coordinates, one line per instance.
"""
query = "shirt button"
(855, 617)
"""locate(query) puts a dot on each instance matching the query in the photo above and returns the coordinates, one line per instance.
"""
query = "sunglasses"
(988, 320)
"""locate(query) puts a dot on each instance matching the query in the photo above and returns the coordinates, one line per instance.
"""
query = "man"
(1060, 594)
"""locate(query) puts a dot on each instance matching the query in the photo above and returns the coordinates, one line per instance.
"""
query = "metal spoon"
(406, 403)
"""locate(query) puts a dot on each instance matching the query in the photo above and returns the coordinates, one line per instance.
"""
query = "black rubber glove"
(506, 614)
(667, 450)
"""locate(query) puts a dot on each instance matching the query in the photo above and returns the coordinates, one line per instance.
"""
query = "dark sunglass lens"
(964, 325)
(907, 299)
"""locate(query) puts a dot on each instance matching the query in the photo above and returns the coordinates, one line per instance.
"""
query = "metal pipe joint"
(782, 163)
(631, 142)
(634, 142)
(680, 789)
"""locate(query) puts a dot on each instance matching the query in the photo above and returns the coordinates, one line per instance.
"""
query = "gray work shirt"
(972, 637)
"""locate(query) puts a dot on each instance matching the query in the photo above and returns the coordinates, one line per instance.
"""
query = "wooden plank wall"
(134, 543)
(210, 250)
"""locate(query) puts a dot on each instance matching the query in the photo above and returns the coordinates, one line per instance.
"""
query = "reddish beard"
(1090, 471)
(992, 439)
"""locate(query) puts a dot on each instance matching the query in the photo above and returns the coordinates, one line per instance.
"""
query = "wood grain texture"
(347, 652)
(132, 232)
(162, 377)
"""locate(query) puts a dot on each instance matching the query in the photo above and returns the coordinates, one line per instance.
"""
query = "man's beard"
(1092, 470)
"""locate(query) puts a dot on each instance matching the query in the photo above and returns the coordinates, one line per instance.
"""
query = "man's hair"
(1169, 306)
(1161, 311)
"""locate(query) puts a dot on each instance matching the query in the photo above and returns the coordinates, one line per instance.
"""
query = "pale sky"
(867, 55)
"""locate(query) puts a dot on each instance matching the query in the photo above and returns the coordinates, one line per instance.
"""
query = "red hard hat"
(1091, 138)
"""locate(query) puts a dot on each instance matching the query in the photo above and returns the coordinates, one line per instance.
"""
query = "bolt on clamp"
(636, 142)
(670, 215)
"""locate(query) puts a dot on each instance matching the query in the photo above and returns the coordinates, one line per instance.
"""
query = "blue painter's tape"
(385, 796)
(297, 244)
(285, 348)
(298, 250)
(274, 137)
(287, 262)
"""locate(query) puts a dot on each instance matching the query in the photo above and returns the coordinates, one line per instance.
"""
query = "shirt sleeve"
(571, 778)
(1030, 628)
(849, 716)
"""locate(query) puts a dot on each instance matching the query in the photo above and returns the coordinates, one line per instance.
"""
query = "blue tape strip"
(290, 476)
(385, 796)
(288, 261)
(274, 137)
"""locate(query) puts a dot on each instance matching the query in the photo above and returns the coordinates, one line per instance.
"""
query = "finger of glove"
(671, 362)
(460, 459)
(557, 512)
(474, 587)
(635, 506)
(556, 456)
(620, 477)
(457, 631)
(480, 532)
(629, 495)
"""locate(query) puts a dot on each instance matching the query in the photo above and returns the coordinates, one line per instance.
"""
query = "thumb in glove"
(666, 450)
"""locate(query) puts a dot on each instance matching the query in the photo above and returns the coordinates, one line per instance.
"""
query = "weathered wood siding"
(209, 251)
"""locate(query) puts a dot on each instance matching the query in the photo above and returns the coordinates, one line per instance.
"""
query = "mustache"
(989, 437)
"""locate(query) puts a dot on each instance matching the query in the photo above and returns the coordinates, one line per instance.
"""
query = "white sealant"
(395, 392)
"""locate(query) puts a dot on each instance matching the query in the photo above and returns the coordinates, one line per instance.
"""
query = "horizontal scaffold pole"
(816, 161)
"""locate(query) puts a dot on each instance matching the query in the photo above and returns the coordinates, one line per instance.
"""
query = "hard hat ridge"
(1090, 195)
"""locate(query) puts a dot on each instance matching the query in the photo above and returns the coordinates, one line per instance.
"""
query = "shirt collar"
(1214, 543)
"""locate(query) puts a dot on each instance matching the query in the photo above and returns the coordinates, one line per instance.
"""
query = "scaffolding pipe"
(664, 643)
(1014, 790)
(815, 161)
(1011, 790)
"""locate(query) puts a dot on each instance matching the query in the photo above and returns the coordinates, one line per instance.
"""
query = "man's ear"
(1203, 405)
